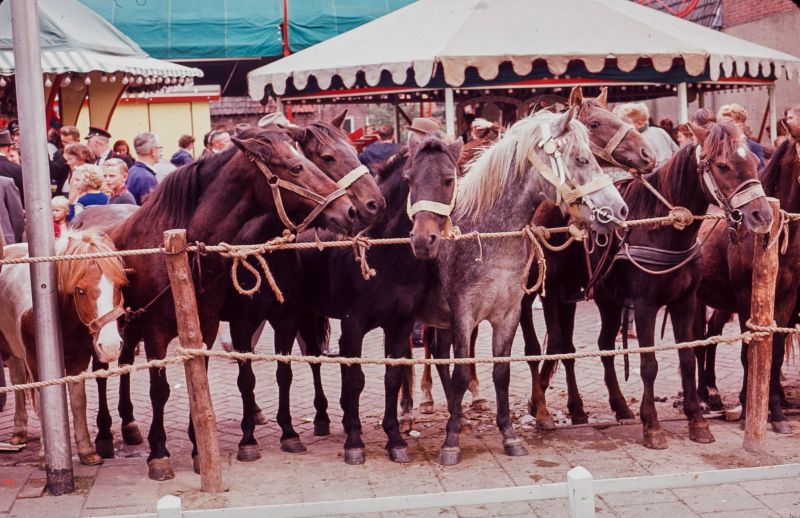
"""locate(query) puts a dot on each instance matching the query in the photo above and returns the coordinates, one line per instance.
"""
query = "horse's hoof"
(426, 407)
(579, 418)
(293, 445)
(131, 434)
(781, 427)
(714, 402)
(741, 424)
(514, 448)
(160, 469)
(406, 424)
(450, 456)
(701, 434)
(400, 455)
(546, 423)
(248, 453)
(480, 405)
(196, 463)
(90, 459)
(355, 456)
(259, 418)
(655, 440)
(466, 425)
(104, 448)
(322, 428)
(18, 438)
(624, 414)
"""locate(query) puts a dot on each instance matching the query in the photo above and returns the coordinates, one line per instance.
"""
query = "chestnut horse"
(726, 283)
(720, 170)
(212, 199)
(90, 301)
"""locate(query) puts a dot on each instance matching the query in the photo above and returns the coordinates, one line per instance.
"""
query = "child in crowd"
(60, 206)
(87, 180)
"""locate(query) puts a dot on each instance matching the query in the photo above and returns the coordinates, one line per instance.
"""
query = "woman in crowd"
(75, 155)
(87, 180)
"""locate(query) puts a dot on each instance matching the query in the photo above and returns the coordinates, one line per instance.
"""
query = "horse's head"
(729, 175)
(563, 157)
(613, 141)
(328, 147)
(93, 290)
(431, 172)
(295, 185)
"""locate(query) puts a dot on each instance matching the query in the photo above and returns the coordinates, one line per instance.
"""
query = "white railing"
(580, 488)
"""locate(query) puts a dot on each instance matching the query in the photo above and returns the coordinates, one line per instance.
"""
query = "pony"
(662, 266)
(212, 199)
(502, 190)
(726, 284)
(90, 300)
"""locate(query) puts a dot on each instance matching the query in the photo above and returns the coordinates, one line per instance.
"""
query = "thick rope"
(534, 235)
(240, 256)
(360, 246)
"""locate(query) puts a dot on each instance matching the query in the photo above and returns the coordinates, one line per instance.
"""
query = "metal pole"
(773, 115)
(39, 225)
(683, 104)
(701, 99)
(396, 119)
(449, 112)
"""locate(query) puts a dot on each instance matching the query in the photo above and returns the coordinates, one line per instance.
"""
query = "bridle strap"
(606, 153)
(442, 209)
(98, 323)
(347, 180)
(744, 193)
(570, 195)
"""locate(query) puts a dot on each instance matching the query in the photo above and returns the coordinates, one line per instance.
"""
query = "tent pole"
(44, 286)
(683, 104)
(396, 119)
(701, 99)
(773, 114)
(449, 112)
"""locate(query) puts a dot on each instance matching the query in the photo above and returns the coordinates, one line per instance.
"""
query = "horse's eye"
(594, 125)
(80, 291)
(297, 169)
(449, 182)
(722, 166)
(329, 159)
(582, 160)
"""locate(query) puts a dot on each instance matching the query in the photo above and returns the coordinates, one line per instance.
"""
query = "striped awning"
(83, 61)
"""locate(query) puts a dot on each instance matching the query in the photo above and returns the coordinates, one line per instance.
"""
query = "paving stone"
(782, 503)
(12, 480)
(47, 506)
(655, 510)
(715, 499)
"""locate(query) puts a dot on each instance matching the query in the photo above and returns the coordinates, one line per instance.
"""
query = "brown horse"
(212, 199)
(726, 283)
(720, 170)
(90, 301)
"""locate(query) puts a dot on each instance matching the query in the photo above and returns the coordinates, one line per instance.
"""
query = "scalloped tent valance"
(453, 35)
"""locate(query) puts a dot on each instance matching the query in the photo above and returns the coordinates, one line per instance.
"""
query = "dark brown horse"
(727, 282)
(720, 170)
(212, 199)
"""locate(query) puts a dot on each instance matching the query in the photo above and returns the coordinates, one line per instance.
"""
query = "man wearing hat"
(379, 151)
(8, 168)
(483, 134)
(98, 141)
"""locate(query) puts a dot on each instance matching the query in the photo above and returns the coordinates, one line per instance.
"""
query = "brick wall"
(737, 12)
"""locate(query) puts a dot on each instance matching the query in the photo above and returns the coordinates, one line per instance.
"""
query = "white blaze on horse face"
(109, 342)
(742, 152)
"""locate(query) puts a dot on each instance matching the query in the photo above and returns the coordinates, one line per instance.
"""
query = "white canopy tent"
(434, 44)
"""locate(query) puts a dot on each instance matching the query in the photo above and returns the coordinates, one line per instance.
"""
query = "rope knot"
(239, 256)
(535, 234)
(680, 217)
(361, 244)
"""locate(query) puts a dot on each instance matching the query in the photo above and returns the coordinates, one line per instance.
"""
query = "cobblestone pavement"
(121, 486)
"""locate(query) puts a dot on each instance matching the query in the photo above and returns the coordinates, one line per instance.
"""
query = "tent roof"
(445, 38)
(76, 39)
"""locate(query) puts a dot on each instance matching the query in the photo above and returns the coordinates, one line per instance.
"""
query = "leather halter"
(743, 194)
(276, 184)
(349, 179)
(606, 153)
(442, 209)
(98, 323)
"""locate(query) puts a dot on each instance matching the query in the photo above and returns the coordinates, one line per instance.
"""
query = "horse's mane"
(771, 175)
(86, 242)
(323, 133)
(488, 175)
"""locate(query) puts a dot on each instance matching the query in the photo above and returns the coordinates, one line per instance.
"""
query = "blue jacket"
(755, 147)
(181, 157)
(141, 181)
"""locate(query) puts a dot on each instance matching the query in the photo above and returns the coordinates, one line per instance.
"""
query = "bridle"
(568, 191)
(442, 209)
(96, 324)
(606, 153)
(743, 194)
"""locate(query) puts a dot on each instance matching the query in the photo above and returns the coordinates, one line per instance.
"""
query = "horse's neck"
(395, 221)
(222, 212)
(515, 206)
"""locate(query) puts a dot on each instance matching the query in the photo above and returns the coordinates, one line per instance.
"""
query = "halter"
(442, 209)
(349, 179)
(276, 183)
(98, 323)
(606, 153)
(568, 192)
(743, 194)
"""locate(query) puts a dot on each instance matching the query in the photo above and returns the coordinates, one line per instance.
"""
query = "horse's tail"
(314, 333)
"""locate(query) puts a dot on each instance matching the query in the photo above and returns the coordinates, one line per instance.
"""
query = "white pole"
(581, 493)
(449, 112)
(39, 225)
(683, 104)
(773, 115)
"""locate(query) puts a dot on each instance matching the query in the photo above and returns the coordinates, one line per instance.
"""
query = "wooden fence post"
(205, 423)
(762, 313)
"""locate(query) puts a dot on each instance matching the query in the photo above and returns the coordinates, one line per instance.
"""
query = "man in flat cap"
(8, 168)
(98, 141)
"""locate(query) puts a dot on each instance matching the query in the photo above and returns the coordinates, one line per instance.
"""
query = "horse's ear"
(338, 121)
(561, 126)
(454, 149)
(699, 132)
(576, 96)
(602, 99)
(297, 133)
(251, 146)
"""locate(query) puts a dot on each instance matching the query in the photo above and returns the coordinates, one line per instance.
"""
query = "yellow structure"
(169, 115)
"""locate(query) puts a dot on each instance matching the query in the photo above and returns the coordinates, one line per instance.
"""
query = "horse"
(212, 199)
(502, 190)
(726, 284)
(662, 266)
(90, 300)
(412, 182)
(327, 146)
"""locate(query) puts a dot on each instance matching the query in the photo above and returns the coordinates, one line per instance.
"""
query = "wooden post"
(762, 312)
(205, 423)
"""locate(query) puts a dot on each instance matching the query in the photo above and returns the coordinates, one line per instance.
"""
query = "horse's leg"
(426, 383)
(574, 401)
(77, 402)
(158, 462)
(396, 346)
(16, 371)
(502, 339)
(682, 315)
(715, 327)
(241, 333)
(352, 385)
(130, 428)
(478, 403)
(610, 315)
(313, 331)
(645, 318)
(777, 418)
(537, 405)
(451, 450)
(285, 332)
(258, 416)
(104, 441)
